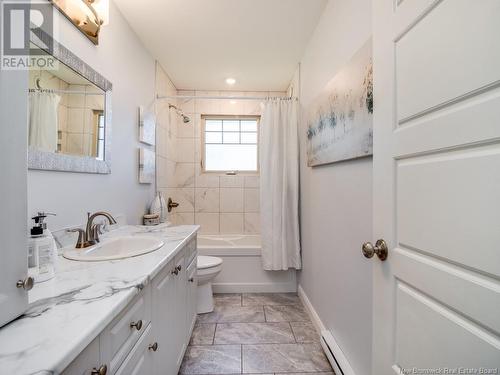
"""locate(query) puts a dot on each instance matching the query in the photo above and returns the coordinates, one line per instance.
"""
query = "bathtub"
(229, 244)
(242, 268)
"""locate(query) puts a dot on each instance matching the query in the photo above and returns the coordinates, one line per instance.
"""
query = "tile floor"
(258, 333)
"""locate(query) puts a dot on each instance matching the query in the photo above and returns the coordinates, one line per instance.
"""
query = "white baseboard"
(254, 287)
(332, 350)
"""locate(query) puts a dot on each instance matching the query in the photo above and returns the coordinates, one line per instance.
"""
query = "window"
(100, 135)
(230, 143)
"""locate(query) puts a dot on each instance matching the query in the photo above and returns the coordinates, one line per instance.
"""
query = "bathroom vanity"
(128, 316)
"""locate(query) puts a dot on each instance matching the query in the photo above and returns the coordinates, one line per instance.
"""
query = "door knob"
(380, 249)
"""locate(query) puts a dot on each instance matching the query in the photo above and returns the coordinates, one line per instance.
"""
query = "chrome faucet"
(90, 236)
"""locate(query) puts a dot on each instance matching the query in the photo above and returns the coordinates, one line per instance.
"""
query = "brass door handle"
(153, 347)
(26, 284)
(137, 325)
(101, 371)
(380, 249)
(171, 204)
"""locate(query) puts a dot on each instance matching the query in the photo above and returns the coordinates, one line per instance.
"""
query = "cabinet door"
(163, 320)
(140, 359)
(180, 307)
(86, 361)
(192, 284)
(13, 193)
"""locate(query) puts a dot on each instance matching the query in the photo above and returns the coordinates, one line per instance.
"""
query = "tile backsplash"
(218, 202)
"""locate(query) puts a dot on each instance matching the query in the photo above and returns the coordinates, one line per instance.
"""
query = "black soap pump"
(40, 225)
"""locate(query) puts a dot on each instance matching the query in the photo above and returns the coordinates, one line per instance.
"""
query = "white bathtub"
(242, 268)
(229, 244)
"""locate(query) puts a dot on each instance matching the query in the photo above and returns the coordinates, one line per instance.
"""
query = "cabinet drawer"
(86, 361)
(123, 332)
(140, 359)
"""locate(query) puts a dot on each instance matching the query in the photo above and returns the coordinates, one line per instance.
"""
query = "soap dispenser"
(42, 250)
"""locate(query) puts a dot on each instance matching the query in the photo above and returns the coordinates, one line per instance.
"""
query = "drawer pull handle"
(175, 271)
(137, 325)
(191, 279)
(153, 347)
(179, 267)
(102, 370)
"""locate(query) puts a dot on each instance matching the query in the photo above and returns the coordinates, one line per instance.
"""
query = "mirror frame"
(43, 160)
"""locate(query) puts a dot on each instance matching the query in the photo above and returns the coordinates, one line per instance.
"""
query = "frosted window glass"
(248, 137)
(213, 125)
(213, 137)
(248, 126)
(231, 125)
(231, 137)
(230, 157)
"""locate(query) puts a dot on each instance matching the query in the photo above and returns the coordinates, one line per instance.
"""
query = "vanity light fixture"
(101, 7)
(87, 15)
(230, 81)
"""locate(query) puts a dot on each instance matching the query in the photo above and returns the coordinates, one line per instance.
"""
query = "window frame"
(203, 143)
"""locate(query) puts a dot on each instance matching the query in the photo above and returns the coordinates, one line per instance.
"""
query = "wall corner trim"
(332, 350)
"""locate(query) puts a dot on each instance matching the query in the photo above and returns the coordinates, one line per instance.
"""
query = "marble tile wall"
(217, 202)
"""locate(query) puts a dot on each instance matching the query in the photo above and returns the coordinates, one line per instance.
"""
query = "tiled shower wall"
(217, 202)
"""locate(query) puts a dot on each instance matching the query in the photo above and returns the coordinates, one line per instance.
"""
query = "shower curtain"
(279, 185)
(43, 120)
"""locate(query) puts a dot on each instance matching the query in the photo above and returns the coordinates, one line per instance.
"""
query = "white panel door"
(437, 185)
(13, 193)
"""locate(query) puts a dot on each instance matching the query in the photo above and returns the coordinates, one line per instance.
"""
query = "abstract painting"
(340, 119)
(146, 166)
(147, 126)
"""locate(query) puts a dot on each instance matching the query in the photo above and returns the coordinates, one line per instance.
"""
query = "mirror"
(69, 122)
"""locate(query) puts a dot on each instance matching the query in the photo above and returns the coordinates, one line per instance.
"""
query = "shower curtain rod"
(224, 97)
(66, 92)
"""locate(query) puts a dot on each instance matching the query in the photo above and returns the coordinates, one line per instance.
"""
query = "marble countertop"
(68, 312)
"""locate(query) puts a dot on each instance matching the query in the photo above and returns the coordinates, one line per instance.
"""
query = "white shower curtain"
(43, 120)
(279, 185)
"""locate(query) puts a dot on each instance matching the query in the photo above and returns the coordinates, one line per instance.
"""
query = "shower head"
(185, 118)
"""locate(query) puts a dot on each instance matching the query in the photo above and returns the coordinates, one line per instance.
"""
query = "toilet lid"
(208, 262)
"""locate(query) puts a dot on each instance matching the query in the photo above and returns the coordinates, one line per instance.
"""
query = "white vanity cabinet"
(150, 335)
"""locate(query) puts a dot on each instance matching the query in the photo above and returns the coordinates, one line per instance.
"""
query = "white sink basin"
(115, 248)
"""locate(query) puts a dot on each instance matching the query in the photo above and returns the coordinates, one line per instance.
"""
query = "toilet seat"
(205, 262)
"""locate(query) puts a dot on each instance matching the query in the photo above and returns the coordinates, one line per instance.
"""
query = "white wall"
(336, 199)
(121, 58)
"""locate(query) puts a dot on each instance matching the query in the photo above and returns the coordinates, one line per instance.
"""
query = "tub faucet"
(90, 236)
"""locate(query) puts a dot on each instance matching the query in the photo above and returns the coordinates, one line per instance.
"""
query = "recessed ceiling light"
(230, 81)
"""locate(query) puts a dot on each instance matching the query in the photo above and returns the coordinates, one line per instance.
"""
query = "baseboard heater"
(330, 347)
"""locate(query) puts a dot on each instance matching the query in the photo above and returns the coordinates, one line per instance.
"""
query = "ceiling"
(200, 43)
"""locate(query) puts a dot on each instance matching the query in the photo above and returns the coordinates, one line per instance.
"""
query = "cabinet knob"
(101, 371)
(175, 271)
(26, 284)
(191, 279)
(153, 347)
(137, 325)
(179, 267)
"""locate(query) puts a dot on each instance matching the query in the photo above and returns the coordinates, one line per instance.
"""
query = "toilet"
(207, 268)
